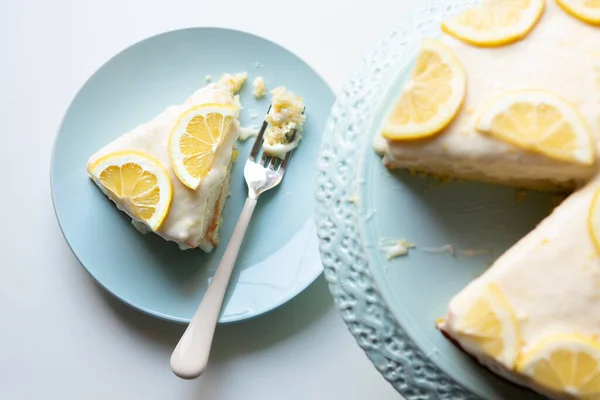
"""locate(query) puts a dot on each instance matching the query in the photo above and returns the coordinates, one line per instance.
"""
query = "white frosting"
(191, 211)
(280, 150)
(259, 89)
(246, 132)
(561, 54)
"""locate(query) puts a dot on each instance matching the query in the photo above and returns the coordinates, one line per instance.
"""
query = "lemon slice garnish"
(489, 326)
(594, 220)
(195, 139)
(539, 121)
(137, 183)
(585, 10)
(567, 363)
(432, 96)
(495, 22)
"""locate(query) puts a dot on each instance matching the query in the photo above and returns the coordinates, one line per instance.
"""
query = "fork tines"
(259, 139)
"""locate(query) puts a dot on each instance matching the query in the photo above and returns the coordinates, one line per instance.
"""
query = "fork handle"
(190, 356)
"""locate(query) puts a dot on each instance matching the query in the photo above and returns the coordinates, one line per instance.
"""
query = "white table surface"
(61, 336)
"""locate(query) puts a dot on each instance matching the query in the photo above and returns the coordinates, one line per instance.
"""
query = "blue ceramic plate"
(391, 306)
(280, 255)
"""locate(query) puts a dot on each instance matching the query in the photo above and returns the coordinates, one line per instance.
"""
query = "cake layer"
(561, 54)
(191, 211)
(211, 239)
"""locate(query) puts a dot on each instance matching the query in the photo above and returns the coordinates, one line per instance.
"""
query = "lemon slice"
(489, 326)
(432, 96)
(594, 220)
(137, 183)
(195, 139)
(538, 121)
(495, 22)
(565, 364)
(585, 10)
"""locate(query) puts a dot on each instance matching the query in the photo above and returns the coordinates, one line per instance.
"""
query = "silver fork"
(190, 357)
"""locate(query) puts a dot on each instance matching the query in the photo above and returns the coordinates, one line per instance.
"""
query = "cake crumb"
(557, 199)
(286, 119)
(259, 87)
(208, 78)
(233, 83)
(474, 252)
(395, 248)
(447, 248)
(354, 198)
(520, 196)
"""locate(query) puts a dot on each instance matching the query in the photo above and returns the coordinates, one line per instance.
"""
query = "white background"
(61, 337)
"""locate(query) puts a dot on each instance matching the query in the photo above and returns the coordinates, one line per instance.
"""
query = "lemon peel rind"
(148, 163)
(493, 107)
(173, 144)
(577, 14)
(574, 342)
(501, 39)
(590, 220)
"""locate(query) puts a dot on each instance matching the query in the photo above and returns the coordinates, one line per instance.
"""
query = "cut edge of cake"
(195, 216)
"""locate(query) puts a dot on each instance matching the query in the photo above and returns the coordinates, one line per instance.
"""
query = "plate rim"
(345, 260)
(123, 299)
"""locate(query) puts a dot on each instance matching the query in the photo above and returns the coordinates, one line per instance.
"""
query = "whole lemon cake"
(171, 174)
(510, 93)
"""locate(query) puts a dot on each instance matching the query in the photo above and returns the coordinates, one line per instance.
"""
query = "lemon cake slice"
(171, 174)
(534, 316)
(515, 103)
